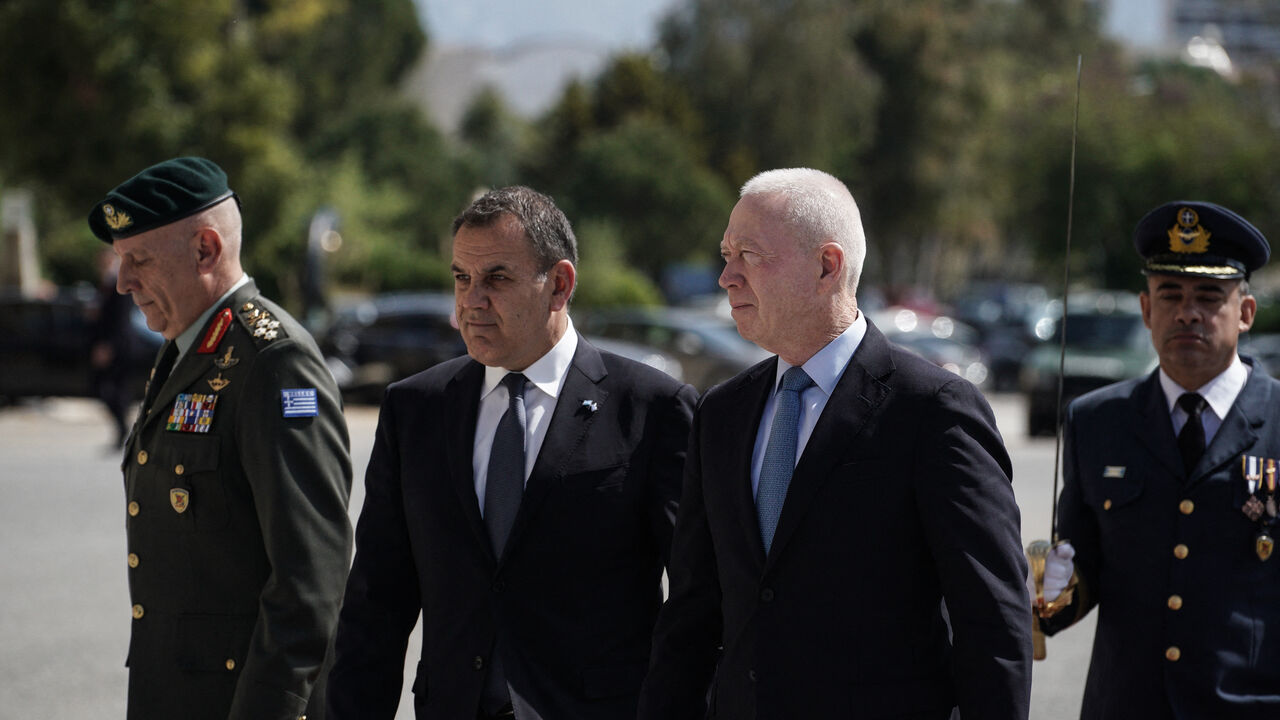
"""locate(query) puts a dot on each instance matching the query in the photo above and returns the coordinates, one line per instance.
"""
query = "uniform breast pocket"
(1113, 493)
(196, 490)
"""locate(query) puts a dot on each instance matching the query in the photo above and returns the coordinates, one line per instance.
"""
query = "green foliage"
(604, 279)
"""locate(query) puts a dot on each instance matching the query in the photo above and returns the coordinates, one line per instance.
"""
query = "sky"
(496, 24)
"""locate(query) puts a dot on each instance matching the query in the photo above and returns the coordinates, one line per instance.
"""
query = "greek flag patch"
(299, 402)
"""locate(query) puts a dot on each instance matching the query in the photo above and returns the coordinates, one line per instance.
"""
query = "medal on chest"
(1259, 475)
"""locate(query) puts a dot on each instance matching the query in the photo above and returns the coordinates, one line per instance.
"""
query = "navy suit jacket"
(901, 498)
(1126, 504)
(576, 594)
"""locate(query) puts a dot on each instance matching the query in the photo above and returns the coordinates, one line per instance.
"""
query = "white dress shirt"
(545, 377)
(825, 368)
(1220, 392)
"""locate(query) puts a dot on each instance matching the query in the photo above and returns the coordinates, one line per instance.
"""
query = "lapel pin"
(591, 405)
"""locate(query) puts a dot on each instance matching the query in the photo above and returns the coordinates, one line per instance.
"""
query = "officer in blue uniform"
(1169, 503)
(236, 473)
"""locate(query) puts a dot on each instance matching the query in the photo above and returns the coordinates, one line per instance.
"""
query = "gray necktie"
(505, 485)
(780, 454)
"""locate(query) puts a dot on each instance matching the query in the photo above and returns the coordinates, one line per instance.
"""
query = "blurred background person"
(112, 346)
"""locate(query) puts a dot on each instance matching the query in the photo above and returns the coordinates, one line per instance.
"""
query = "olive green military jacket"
(237, 478)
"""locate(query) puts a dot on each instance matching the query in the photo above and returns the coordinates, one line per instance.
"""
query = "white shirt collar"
(1220, 392)
(828, 364)
(547, 373)
(188, 336)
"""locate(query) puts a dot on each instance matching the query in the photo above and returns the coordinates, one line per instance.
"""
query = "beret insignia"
(116, 220)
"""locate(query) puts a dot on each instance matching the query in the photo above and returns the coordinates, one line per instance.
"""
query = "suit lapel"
(737, 428)
(462, 395)
(1154, 429)
(1240, 429)
(570, 421)
(859, 393)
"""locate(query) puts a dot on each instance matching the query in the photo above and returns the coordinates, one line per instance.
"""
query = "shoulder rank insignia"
(180, 499)
(219, 328)
(192, 412)
(259, 321)
(1188, 236)
(226, 361)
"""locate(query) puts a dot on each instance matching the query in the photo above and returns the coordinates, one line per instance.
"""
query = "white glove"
(1057, 570)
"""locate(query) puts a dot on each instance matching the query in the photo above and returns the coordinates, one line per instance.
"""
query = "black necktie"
(503, 490)
(1191, 439)
(505, 484)
(160, 373)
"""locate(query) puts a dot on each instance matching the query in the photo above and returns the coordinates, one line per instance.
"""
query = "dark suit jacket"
(578, 589)
(1123, 509)
(901, 497)
(236, 595)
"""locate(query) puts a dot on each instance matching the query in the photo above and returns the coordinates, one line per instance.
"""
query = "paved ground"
(64, 607)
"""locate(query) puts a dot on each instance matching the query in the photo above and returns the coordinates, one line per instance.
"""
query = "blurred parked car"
(1004, 315)
(1106, 342)
(707, 345)
(940, 339)
(44, 345)
(373, 343)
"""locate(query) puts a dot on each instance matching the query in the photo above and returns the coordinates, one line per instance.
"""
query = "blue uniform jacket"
(1184, 601)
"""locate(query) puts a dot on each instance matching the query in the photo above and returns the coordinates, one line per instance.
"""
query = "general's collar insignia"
(216, 331)
(218, 383)
(1188, 236)
(226, 361)
(116, 219)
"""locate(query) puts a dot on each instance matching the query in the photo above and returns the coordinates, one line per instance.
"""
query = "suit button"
(1175, 602)
(1106, 504)
(1172, 654)
(499, 586)
(133, 560)
(477, 662)
(1187, 507)
(137, 612)
(134, 509)
(231, 664)
(1180, 551)
(142, 457)
(751, 675)
(766, 595)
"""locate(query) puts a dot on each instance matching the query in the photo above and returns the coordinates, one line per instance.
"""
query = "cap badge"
(116, 220)
(1188, 236)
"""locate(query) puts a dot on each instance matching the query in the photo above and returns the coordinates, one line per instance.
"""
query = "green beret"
(157, 196)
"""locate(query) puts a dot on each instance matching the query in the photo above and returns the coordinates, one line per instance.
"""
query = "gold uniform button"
(137, 612)
(1180, 551)
(142, 457)
(134, 509)
(1172, 654)
(231, 664)
(1187, 507)
(133, 560)
(1106, 504)
(1175, 602)
(179, 469)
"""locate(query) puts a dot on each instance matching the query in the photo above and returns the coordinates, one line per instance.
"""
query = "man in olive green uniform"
(237, 473)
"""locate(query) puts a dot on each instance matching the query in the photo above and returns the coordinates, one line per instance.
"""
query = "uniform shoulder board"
(258, 320)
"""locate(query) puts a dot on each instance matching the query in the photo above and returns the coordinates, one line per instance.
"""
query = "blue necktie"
(780, 454)
(504, 487)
